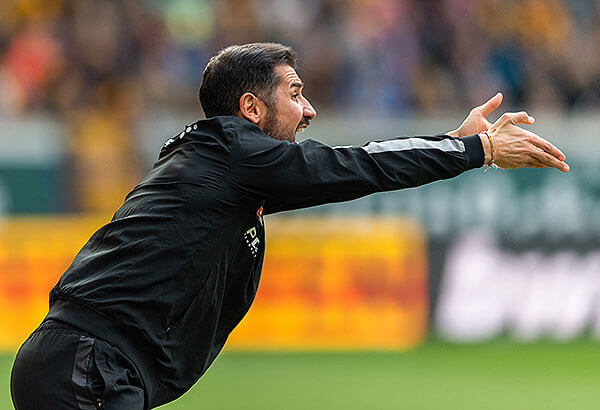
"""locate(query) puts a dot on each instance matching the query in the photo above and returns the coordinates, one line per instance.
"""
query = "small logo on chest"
(251, 238)
(251, 235)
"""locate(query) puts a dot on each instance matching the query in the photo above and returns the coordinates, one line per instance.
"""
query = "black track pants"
(60, 367)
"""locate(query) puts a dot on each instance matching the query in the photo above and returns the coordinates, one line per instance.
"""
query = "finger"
(519, 118)
(490, 105)
(548, 147)
(539, 164)
(549, 160)
(515, 118)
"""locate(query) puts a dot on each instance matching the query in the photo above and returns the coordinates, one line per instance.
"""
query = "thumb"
(491, 104)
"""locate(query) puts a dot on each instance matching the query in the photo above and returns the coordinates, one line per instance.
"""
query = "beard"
(274, 129)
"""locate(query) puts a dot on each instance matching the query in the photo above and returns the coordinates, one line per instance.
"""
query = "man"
(151, 298)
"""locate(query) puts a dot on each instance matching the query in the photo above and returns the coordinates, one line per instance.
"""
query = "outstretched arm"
(291, 176)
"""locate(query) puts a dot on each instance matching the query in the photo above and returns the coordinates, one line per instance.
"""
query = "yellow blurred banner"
(342, 283)
(34, 252)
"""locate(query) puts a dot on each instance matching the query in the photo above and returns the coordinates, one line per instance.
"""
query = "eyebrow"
(297, 84)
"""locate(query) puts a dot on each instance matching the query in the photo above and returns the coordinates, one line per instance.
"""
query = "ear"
(251, 108)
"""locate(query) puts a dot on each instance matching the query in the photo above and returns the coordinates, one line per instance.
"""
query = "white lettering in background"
(486, 291)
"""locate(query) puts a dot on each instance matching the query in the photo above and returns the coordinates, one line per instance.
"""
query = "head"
(257, 82)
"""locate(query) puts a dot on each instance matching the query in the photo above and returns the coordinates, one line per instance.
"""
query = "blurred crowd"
(392, 55)
(98, 64)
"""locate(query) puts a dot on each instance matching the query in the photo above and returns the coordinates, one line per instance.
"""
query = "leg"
(50, 371)
(59, 367)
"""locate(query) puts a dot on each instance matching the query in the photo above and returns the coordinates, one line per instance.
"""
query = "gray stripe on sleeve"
(447, 145)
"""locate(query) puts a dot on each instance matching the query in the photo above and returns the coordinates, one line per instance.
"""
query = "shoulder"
(239, 129)
(222, 130)
(247, 138)
(233, 131)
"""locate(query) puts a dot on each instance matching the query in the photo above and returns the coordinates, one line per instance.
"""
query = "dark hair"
(236, 70)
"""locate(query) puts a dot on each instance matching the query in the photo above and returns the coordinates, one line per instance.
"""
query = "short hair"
(238, 69)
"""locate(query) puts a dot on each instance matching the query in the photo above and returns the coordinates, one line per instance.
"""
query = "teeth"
(300, 129)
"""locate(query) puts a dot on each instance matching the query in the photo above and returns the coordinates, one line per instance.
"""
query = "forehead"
(288, 75)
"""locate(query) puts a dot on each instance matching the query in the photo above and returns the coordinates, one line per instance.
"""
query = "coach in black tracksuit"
(151, 298)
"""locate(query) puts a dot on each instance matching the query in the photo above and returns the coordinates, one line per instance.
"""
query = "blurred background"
(480, 292)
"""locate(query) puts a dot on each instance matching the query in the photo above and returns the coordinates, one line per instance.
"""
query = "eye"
(295, 96)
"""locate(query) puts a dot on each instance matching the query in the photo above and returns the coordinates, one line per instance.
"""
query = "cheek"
(293, 114)
(298, 112)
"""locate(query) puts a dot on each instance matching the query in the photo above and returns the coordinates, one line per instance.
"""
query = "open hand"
(514, 147)
(517, 148)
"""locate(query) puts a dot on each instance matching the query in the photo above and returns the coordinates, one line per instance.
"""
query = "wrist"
(487, 148)
(455, 133)
(473, 151)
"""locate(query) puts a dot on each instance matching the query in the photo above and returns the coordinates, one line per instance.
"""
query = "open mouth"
(302, 126)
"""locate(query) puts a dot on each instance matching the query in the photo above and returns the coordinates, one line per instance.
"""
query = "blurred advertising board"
(34, 252)
(512, 252)
(341, 283)
(488, 290)
(524, 261)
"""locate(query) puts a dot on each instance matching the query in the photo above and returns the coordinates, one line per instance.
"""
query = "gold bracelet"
(491, 163)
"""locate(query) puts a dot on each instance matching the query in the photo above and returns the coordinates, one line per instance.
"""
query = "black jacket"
(177, 267)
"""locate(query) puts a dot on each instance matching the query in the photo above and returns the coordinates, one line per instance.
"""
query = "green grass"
(497, 375)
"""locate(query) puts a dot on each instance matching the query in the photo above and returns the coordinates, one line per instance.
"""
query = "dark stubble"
(273, 128)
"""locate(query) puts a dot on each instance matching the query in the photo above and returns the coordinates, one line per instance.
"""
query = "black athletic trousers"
(61, 367)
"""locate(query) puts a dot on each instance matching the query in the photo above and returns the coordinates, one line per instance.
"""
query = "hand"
(517, 148)
(475, 121)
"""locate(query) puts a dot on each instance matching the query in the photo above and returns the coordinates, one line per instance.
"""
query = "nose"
(308, 110)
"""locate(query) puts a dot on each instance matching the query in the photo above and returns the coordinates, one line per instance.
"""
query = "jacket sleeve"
(298, 175)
